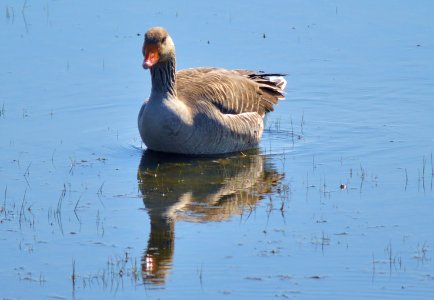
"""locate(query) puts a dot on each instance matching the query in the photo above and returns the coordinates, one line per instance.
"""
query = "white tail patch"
(279, 81)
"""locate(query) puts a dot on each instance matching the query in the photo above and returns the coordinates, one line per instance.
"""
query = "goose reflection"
(196, 190)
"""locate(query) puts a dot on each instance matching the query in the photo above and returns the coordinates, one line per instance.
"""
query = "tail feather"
(280, 81)
(271, 86)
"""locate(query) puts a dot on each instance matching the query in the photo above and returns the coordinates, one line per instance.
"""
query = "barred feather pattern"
(206, 110)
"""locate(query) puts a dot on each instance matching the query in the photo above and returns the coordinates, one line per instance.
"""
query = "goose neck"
(163, 76)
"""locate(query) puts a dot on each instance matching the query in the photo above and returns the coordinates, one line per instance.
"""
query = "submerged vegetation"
(336, 201)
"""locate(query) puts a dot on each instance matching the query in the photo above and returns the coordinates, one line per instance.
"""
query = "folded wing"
(231, 91)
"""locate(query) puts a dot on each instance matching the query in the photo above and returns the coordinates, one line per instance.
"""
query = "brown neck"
(163, 76)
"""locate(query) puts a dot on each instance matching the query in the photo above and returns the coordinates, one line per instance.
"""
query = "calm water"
(336, 203)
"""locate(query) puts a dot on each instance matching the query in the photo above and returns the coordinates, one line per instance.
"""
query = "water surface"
(336, 203)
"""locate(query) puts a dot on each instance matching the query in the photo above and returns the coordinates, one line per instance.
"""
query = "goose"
(202, 111)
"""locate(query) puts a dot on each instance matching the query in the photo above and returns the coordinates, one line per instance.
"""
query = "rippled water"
(336, 203)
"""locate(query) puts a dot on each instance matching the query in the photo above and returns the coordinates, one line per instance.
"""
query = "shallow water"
(336, 203)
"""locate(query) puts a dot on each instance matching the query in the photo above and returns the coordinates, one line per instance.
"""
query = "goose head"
(157, 48)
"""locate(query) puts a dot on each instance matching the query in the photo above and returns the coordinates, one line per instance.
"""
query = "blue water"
(336, 203)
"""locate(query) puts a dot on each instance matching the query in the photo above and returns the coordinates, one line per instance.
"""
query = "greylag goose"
(202, 110)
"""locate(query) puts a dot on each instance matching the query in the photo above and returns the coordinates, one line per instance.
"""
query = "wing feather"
(231, 91)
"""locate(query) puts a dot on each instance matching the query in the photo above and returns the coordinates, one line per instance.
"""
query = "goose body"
(202, 110)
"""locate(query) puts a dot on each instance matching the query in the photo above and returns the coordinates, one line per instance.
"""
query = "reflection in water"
(196, 190)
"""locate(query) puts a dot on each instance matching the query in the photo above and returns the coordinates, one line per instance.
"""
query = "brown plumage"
(202, 110)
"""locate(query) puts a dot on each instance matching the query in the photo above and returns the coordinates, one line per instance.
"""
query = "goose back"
(230, 91)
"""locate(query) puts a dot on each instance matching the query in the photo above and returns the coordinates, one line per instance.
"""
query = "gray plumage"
(202, 110)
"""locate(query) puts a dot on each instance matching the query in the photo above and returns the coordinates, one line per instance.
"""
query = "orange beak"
(151, 56)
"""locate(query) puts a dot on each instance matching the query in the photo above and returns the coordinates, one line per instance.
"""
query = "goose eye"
(163, 40)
